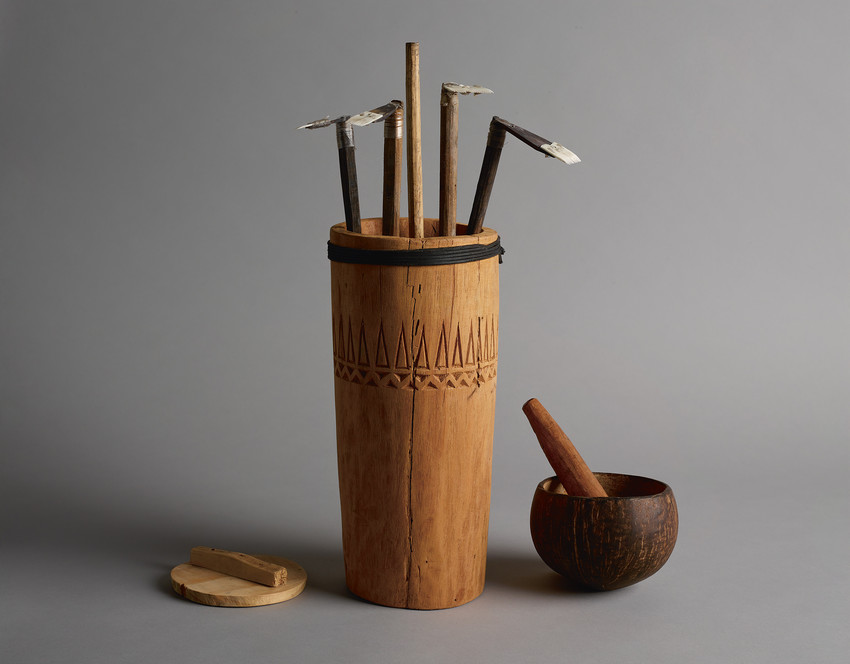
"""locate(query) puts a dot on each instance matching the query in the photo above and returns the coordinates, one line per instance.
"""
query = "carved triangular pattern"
(362, 350)
(381, 356)
(457, 352)
(422, 351)
(471, 357)
(442, 361)
(349, 348)
(402, 351)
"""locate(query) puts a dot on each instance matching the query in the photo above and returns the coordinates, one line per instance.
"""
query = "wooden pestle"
(572, 471)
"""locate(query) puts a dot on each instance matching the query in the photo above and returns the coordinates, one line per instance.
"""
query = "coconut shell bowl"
(604, 543)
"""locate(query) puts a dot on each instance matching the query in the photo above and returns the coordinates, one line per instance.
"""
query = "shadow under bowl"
(605, 543)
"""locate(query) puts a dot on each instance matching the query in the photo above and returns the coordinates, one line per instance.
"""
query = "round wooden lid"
(206, 586)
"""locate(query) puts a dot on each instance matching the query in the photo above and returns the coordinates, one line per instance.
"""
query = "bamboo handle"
(448, 162)
(495, 142)
(567, 463)
(240, 565)
(414, 141)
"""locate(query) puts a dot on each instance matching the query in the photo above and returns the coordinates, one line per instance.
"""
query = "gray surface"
(679, 301)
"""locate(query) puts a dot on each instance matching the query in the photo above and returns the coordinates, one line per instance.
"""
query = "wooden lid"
(206, 586)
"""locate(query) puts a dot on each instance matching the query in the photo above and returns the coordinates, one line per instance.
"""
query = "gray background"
(679, 301)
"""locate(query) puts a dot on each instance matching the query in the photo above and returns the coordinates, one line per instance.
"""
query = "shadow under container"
(415, 344)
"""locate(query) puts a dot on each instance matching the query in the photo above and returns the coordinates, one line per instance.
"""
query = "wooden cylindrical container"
(415, 339)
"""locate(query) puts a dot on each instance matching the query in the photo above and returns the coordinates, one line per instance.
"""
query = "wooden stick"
(239, 565)
(495, 142)
(414, 142)
(570, 468)
(449, 103)
(393, 136)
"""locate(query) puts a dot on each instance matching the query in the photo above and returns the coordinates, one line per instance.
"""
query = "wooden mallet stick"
(572, 471)
(414, 141)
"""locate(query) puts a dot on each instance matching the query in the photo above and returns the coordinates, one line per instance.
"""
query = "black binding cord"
(467, 253)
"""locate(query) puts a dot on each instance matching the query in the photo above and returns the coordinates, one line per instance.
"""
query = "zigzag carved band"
(409, 381)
